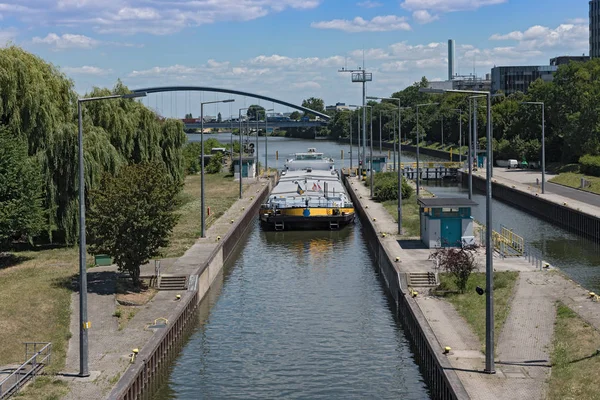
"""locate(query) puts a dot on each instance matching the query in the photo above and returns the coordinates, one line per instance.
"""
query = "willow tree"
(38, 105)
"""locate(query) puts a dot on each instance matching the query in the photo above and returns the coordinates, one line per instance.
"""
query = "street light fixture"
(266, 139)
(489, 270)
(418, 140)
(400, 109)
(371, 153)
(350, 123)
(202, 197)
(541, 103)
(362, 76)
(241, 135)
(459, 132)
(84, 324)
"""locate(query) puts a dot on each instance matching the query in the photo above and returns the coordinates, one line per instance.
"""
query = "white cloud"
(156, 17)
(448, 5)
(423, 17)
(383, 23)
(570, 37)
(394, 66)
(86, 70)
(369, 4)
(306, 85)
(371, 54)
(67, 41)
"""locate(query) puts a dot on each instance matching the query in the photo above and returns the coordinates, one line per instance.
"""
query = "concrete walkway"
(523, 347)
(109, 347)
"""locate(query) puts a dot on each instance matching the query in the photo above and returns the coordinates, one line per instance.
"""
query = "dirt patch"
(128, 295)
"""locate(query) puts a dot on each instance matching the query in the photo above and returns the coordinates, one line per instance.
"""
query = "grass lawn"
(36, 290)
(410, 214)
(471, 306)
(575, 358)
(573, 179)
(221, 192)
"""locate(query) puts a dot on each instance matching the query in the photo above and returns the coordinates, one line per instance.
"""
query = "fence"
(35, 361)
(509, 244)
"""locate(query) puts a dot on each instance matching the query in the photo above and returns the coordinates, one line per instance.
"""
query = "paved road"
(529, 178)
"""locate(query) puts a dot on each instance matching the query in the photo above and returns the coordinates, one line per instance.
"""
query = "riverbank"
(523, 345)
(49, 277)
(111, 348)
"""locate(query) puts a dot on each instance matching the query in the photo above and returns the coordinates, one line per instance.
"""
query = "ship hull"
(298, 222)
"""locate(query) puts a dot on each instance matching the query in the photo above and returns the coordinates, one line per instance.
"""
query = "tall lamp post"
(489, 270)
(541, 103)
(266, 139)
(84, 324)
(418, 140)
(241, 148)
(202, 197)
(360, 75)
(400, 109)
(459, 132)
(371, 152)
(350, 123)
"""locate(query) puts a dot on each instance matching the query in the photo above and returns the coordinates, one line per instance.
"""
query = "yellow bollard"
(218, 238)
(447, 349)
(178, 297)
(397, 259)
(232, 221)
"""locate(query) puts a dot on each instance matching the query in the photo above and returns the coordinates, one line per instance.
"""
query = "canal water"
(578, 257)
(300, 315)
(286, 147)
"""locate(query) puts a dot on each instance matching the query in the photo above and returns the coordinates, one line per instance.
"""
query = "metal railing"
(513, 245)
(37, 356)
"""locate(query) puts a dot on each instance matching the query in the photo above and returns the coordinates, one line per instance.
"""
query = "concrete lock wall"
(578, 222)
(147, 373)
(441, 379)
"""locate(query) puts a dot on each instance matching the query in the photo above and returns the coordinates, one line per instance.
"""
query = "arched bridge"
(252, 124)
(164, 89)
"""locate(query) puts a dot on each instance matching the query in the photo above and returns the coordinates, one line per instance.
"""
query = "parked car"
(512, 164)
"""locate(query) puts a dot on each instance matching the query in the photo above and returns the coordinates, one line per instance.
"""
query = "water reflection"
(301, 315)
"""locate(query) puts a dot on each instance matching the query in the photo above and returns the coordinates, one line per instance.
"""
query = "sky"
(286, 49)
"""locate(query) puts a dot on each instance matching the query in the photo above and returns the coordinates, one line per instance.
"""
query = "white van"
(512, 164)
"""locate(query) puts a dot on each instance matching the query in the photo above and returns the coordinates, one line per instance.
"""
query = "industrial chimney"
(450, 59)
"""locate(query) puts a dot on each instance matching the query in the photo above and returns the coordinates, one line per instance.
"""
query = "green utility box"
(102, 260)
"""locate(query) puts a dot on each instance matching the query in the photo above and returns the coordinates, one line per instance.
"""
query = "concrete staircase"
(172, 282)
(422, 279)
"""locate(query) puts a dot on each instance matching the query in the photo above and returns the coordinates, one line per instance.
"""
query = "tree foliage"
(314, 104)
(255, 112)
(20, 191)
(295, 115)
(39, 106)
(131, 215)
(385, 187)
(459, 262)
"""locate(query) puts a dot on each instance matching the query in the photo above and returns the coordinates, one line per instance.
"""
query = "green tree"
(460, 262)
(20, 191)
(314, 104)
(255, 112)
(188, 116)
(295, 115)
(215, 164)
(219, 117)
(131, 215)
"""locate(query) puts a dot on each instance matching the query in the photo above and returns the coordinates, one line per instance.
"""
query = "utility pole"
(360, 75)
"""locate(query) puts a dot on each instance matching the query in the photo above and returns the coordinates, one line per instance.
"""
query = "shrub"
(590, 165)
(459, 262)
(215, 164)
(385, 186)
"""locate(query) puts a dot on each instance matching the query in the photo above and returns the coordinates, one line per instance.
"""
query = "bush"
(385, 186)
(215, 164)
(459, 262)
(590, 165)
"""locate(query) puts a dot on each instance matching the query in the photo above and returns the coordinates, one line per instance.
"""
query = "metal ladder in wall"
(334, 225)
(279, 225)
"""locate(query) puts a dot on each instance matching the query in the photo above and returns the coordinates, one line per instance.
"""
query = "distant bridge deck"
(261, 124)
